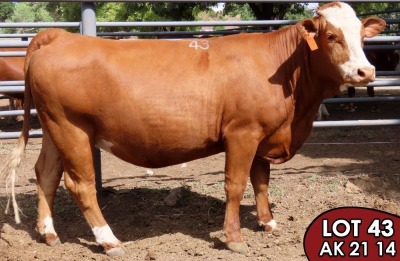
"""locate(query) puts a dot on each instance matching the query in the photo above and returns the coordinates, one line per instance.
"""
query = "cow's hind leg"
(48, 170)
(259, 176)
(76, 150)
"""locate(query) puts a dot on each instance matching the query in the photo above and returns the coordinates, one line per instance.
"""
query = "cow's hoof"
(114, 251)
(238, 247)
(269, 226)
(51, 239)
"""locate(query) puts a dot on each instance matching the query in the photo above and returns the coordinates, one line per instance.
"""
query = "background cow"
(156, 103)
(12, 69)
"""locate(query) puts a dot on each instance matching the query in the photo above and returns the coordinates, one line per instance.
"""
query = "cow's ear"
(307, 28)
(373, 26)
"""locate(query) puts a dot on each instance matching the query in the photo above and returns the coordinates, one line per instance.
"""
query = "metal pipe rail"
(316, 124)
(377, 83)
(13, 54)
(12, 83)
(196, 23)
(39, 24)
(363, 99)
(23, 35)
(356, 123)
(14, 44)
(15, 113)
(387, 73)
(11, 89)
(377, 39)
(382, 47)
(16, 134)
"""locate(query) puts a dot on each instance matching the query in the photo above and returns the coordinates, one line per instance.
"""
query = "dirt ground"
(336, 167)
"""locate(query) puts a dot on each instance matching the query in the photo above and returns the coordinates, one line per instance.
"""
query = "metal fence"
(88, 26)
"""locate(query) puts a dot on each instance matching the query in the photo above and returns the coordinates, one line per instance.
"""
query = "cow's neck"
(304, 85)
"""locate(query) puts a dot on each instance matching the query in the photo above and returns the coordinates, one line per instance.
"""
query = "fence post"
(88, 27)
(88, 16)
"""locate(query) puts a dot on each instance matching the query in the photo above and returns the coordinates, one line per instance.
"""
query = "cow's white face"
(344, 34)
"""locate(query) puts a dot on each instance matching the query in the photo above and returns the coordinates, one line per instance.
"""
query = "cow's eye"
(331, 38)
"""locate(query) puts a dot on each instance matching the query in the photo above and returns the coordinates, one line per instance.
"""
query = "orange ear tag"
(311, 43)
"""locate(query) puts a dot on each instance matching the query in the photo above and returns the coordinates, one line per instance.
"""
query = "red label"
(353, 233)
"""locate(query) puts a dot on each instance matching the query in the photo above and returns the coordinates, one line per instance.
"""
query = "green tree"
(242, 10)
(165, 12)
(268, 11)
(119, 11)
(6, 9)
(387, 10)
(365, 8)
(29, 12)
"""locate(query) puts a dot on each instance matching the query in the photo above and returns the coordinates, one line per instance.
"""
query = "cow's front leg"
(240, 151)
(259, 176)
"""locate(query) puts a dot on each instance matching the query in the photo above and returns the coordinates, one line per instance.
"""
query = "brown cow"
(156, 103)
(12, 69)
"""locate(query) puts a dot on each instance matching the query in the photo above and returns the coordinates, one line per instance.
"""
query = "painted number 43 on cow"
(202, 45)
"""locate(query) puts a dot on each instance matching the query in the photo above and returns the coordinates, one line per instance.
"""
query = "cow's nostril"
(361, 72)
(366, 73)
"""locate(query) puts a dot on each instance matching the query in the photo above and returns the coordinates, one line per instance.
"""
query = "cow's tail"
(14, 160)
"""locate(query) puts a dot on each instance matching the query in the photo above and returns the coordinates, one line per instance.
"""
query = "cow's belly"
(160, 138)
(155, 154)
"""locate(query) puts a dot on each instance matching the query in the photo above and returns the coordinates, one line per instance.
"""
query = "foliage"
(242, 11)
(275, 11)
(388, 10)
(365, 8)
(28, 12)
(166, 11)
(298, 12)
(157, 12)
(6, 9)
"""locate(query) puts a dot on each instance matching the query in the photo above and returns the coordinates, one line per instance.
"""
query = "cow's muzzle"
(361, 76)
(366, 74)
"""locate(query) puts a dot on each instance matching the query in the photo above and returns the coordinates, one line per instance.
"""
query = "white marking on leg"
(105, 235)
(272, 224)
(48, 226)
(105, 145)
